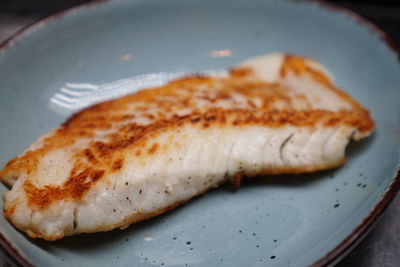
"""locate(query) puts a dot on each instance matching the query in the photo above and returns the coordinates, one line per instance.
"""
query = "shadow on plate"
(95, 241)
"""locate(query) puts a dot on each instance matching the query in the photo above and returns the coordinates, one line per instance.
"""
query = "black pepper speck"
(336, 205)
(188, 243)
(273, 257)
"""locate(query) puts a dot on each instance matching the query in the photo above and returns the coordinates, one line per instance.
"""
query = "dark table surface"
(381, 247)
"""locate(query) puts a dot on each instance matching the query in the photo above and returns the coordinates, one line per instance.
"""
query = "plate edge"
(341, 249)
(41, 22)
(361, 229)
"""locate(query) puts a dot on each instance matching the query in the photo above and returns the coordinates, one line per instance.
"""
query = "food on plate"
(132, 158)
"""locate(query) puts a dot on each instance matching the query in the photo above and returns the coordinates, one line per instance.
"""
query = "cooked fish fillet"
(135, 157)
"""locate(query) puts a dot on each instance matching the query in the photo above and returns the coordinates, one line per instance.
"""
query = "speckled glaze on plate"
(270, 221)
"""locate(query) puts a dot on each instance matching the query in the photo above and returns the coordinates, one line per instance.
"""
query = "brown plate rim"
(343, 247)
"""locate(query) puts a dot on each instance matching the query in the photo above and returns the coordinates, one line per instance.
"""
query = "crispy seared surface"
(100, 138)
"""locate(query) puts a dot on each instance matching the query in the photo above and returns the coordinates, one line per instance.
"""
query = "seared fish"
(132, 158)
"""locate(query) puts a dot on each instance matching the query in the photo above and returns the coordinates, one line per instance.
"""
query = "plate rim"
(340, 250)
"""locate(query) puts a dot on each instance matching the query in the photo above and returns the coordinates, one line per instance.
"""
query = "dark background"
(385, 14)
(382, 246)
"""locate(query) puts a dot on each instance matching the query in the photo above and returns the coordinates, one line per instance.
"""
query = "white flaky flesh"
(202, 159)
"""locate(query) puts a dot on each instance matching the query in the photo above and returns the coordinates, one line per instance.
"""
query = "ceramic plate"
(103, 50)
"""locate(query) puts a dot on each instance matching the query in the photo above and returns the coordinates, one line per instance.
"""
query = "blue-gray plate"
(48, 70)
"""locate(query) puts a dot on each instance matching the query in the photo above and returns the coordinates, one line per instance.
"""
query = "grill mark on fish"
(282, 147)
(75, 220)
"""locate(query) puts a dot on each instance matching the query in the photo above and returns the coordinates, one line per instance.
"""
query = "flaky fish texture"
(128, 159)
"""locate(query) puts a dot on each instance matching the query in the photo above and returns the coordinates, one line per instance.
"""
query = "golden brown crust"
(297, 65)
(161, 108)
